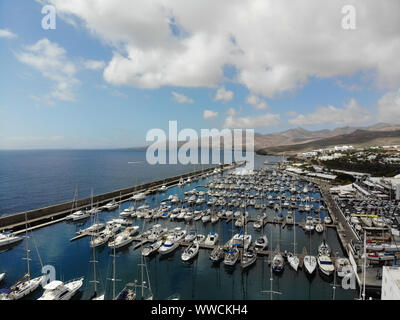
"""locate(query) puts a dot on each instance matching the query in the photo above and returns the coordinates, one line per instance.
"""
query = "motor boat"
(78, 215)
(191, 236)
(105, 235)
(199, 238)
(2, 276)
(58, 290)
(325, 264)
(7, 239)
(156, 232)
(310, 263)
(123, 238)
(148, 250)
(211, 239)
(309, 225)
(190, 252)
(168, 246)
(111, 206)
(139, 197)
(261, 243)
(327, 220)
(343, 267)
(289, 217)
(94, 227)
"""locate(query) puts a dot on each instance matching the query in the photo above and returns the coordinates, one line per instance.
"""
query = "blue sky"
(106, 108)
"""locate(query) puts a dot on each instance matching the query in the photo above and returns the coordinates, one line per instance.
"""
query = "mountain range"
(301, 140)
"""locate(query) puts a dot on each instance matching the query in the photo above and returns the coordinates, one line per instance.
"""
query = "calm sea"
(32, 179)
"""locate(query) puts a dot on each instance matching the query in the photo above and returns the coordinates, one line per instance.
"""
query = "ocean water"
(40, 178)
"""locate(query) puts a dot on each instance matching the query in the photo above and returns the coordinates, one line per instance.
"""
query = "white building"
(390, 283)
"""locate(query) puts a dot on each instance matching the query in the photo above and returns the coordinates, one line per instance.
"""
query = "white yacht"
(94, 228)
(191, 236)
(139, 197)
(78, 215)
(123, 238)
(190, 252)
(58, 290)
(211, 239)
(261, 243)
(168, 246)
(147, 251)
(110, 206)
(327, 220)
(343, 267)
(103, 237)
(2, 275)
(7, 239)
(309, 225)
(325, 264)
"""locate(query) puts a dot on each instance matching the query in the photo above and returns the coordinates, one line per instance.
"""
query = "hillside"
(356, 138)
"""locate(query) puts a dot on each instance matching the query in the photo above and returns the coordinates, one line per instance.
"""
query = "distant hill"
(300, 135)
(356, 138)
(292, 140)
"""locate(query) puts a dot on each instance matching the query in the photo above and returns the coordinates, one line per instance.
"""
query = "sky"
(111, 71)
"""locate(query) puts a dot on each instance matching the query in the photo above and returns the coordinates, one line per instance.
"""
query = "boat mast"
(27, 246)
(365, 263)
(94, 269)
(294, 233)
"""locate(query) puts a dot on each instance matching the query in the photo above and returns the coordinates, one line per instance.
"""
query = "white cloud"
(233, 121)
(256, 102)
(181, 98)
(224, 95)
(52, 62)
(5, 33)
(94, 64)
(352, 113)
(389, 107)
(210, 115)
(286, 43)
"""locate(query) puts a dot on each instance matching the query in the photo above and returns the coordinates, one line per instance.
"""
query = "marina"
(229, 204)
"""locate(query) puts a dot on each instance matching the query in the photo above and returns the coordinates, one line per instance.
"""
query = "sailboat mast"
(294, 233)
(94, 270)
(142, 278)
(114, 277)
(365, 263)
(27, 246)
